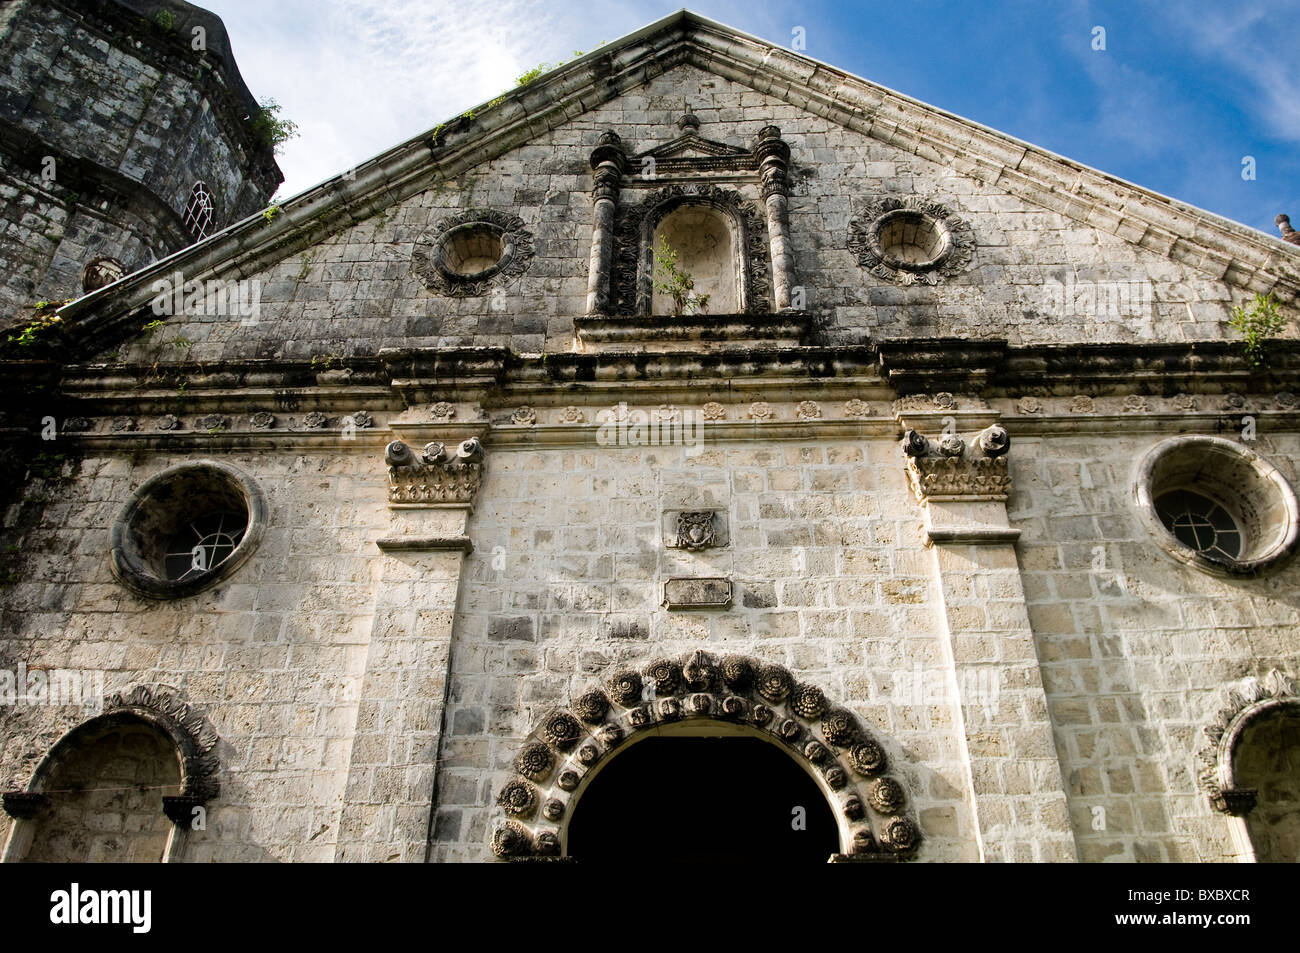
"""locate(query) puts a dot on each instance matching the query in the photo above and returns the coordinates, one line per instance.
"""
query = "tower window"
(199, 211)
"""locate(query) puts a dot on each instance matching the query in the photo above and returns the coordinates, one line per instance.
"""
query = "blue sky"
(1181, 94)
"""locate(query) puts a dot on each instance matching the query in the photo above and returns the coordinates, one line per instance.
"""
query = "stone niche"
(705, 249)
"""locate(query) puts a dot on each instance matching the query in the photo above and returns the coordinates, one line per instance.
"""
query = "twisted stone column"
(773, 162)
(608, 161)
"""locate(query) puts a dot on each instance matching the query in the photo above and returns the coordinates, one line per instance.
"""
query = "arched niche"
(699, 695)
(1251, 767)
(720, 210)
(119, 786)
(701, 237)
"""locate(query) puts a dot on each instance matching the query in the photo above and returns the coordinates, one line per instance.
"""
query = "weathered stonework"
(480, 508)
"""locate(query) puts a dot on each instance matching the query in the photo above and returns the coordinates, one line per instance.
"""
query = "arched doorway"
(703, 800)
(1267, 761)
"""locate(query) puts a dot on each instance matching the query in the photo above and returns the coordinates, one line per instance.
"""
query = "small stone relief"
(1233, 401)
(443, 411)
(1184, 402)
(696, 530)
(944, 401)
(808, 410)
(1135, 404)
(1081, 404)
(857, 408)
(76, 425)
(518, 798)
(664, 412)
(262, 420)
(212, 422)
(1286, 400)
(123, 424)
(525, 416)
(361, 420)
(315, 421)
(1029, 406)
(571, 415)
(168, 422)
(714, 411)
(760, 410)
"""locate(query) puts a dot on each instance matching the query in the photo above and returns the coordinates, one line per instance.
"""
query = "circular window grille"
(910, 240)
(199, 211)
(187, 529)
(1215, 505)
(473, 251)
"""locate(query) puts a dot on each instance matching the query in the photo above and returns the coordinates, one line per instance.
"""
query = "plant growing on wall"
(1256, 324)
(269, 128)
(671, 281)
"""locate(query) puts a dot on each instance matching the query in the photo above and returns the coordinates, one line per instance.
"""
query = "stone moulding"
(434, 476)
(1255, 698)
(567, 747)
(194, 739)
(950, 468)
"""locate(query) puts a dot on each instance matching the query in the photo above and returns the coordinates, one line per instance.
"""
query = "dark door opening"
(702, 800)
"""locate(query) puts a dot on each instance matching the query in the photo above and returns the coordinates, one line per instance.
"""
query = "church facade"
(699, 450)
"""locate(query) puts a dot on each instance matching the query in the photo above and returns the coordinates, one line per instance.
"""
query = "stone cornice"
(1222, 249)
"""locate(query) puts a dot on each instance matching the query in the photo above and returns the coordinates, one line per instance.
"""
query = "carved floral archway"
(1244, 706)
(568, 747)
(191, 735)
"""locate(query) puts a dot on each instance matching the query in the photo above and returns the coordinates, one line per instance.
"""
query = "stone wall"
(114, 101)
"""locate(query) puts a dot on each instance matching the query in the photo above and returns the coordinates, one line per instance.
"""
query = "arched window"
(1267, 761)
(200, 211)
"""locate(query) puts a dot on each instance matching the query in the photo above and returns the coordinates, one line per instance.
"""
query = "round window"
(1216, 505)
(911, 239)
(187, 529)
(474, 250)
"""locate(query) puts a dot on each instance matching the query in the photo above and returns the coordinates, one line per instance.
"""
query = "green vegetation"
(165, 20)
(269, 128)
(676, 284)
(1256, 324)
(270, 213)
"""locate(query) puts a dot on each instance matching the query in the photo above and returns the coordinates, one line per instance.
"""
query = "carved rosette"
(954, 469)
(634, 223)
(430, 264)
(1242, 705)
(954, 241)
(435, 476)
(738, 689)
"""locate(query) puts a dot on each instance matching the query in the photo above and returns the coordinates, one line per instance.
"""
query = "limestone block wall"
(355, 292)
(273, 656)
(1137, 650)
(831, 579)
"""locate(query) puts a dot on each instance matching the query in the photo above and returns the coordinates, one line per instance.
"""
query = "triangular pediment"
(1219, 249)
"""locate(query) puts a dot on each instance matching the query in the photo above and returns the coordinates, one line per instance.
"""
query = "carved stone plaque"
(697, 592)
(695, 529)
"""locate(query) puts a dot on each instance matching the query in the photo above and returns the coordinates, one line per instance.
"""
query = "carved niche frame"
(692, 694)
(191, 736)
(635, 227)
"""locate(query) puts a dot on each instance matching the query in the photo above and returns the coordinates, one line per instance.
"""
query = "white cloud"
(360, 76)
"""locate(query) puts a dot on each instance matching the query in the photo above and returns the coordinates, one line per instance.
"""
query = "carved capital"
(608, 163)
(23, 805)
(435, 476)
(951, 468)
